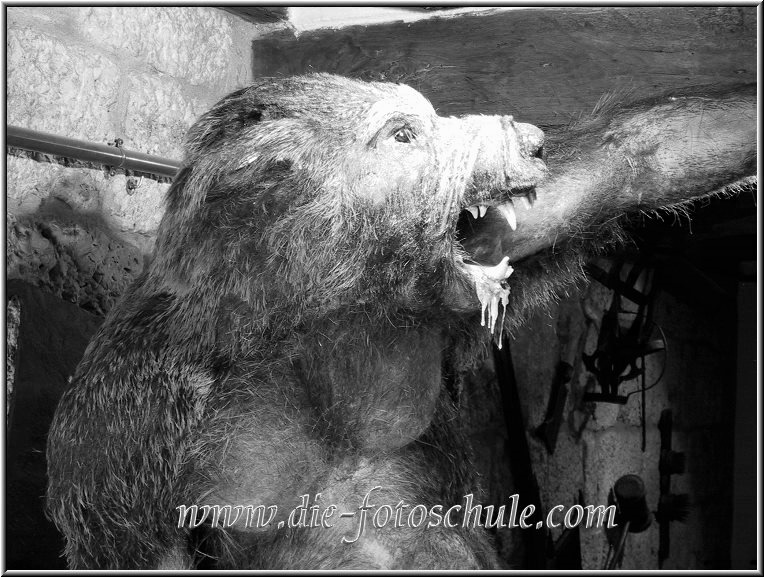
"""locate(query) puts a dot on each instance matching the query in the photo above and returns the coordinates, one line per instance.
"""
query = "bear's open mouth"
(480, 228)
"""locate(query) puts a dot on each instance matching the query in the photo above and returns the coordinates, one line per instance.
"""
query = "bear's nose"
(530, 138)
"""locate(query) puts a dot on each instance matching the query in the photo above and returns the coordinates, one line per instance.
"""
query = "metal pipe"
(112, 156)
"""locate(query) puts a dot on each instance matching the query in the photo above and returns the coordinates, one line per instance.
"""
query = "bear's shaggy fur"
(309, 282)
(289, 334)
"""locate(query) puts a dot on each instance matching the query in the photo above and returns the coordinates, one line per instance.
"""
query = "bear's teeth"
(527, 202)
(477, 210)
(508, 210)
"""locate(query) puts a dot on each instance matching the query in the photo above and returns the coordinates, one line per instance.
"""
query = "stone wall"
(600, 442)
(140, 74)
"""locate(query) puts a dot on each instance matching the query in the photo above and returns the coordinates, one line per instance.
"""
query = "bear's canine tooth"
(473, 211)
(482, 209)
(508, 210)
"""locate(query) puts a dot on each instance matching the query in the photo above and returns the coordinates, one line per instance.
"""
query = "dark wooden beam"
(429, 8)
(260, 14)
(544, 65)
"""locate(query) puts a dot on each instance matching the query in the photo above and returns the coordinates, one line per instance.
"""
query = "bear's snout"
(507, 155)
(531, 139)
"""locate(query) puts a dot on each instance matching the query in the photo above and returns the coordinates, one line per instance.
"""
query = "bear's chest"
(346, 397)
(371, 388)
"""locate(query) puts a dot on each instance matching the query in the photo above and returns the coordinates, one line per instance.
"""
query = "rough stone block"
(60, 88)
(192, 44)
(28, 183)
(158, 115)
(133, 217)
(71, 255)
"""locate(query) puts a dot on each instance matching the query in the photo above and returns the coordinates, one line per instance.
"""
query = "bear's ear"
(227, 118)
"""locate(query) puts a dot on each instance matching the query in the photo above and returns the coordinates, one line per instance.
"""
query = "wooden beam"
(545, 65)
(260, 15)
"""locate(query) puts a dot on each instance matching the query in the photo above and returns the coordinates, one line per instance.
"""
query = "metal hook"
(117, 144)
(131, 185)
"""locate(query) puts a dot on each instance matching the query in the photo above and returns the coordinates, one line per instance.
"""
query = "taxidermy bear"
(327, 246)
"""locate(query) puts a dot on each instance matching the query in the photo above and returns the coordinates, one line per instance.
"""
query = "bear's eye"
(404, 134)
